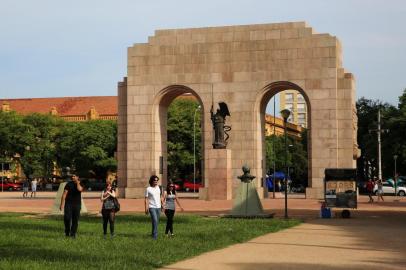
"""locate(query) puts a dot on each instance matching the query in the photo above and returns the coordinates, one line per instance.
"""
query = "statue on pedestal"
(220, 129)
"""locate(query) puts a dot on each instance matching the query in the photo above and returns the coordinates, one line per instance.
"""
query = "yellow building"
(295, 102)
(294, 131)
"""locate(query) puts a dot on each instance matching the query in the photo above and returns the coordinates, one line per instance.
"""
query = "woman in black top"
(108, 211)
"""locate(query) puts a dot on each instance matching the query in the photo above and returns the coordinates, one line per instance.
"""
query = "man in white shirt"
(153, 203)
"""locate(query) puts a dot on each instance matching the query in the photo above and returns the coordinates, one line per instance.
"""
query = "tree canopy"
(393, 141)
(42, 141)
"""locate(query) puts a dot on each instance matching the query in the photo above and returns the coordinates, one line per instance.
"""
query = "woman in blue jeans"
(153, 203)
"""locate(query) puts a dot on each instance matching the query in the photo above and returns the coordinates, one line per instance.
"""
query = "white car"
(388, 188)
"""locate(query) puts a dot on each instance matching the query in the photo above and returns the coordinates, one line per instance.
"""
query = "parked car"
(190, 186)
(388, 188)
(177, 187)
(10, 186)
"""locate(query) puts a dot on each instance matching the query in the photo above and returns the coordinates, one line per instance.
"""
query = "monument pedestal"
(247, 202)
(219, 175)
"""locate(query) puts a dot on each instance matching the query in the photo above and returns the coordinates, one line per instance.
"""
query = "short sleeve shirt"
(154, 197)
(170, 201)
(74, 196)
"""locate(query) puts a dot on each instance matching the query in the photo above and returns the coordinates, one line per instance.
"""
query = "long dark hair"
(168, 189)
(152, 178)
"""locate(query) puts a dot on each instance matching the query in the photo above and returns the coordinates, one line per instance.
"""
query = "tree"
(37, 148)
(297, 156)
(88, 147)
(11, 124)
(393, 141)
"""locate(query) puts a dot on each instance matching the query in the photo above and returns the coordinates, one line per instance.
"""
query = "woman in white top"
(169, 205)
(380, 190)
(34, 187)
(153, 202)
(108, 208)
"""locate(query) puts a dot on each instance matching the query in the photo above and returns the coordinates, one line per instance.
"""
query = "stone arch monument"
(243, 66)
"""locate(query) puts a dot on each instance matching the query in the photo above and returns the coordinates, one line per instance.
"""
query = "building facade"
(74, 109)
(296, 104)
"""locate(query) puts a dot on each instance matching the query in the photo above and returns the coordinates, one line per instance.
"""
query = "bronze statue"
(246, 177)
(220, 129)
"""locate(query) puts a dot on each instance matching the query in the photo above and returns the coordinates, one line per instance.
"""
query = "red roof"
(65, 106)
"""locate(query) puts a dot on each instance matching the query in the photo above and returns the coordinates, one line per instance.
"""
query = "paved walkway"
(360, 243)
(374, 238)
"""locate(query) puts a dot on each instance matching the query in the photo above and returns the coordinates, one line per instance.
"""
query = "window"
(301, 116)
(289, 97)
(301, 107)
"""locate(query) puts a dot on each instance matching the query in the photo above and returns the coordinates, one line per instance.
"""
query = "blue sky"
(54, 48)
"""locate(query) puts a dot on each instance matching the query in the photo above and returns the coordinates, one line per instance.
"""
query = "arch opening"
(270, 131)
(187, 138)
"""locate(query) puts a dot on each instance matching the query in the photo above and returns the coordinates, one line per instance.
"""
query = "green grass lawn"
(35, 242)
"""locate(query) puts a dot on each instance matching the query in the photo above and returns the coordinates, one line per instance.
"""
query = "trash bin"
(325, 212)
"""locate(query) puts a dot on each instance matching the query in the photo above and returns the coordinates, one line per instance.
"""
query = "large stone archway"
(242, 66)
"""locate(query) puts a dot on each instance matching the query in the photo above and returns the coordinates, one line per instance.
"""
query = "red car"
(190, 186)
(10, 186)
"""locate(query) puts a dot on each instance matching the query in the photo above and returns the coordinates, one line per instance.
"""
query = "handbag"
(116, 204)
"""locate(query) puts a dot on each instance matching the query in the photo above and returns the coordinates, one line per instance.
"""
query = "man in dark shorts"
(71, 202)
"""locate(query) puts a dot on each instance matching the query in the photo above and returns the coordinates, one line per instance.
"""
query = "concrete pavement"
(366, 242)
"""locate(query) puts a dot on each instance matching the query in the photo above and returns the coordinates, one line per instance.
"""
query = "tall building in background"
(295, 102)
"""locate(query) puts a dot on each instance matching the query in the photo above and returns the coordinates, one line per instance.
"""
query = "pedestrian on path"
(380, 190)
(71, 202)
(370, 188)
(169, 205)
(34, 187)
(108, 208)
(26, 184)
(153, 203)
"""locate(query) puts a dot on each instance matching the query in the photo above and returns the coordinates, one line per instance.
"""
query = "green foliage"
(10, 133)
(393, 141)
(296, 156)
(38, 243)
(180, 139)
(88, 147)
(40, 140)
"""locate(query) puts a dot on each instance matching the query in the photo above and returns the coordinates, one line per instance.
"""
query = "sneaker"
(172, 234)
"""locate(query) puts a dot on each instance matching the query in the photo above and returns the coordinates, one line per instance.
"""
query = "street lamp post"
(285, 114)
(273, 146)
(194, 149)
(395, 157)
